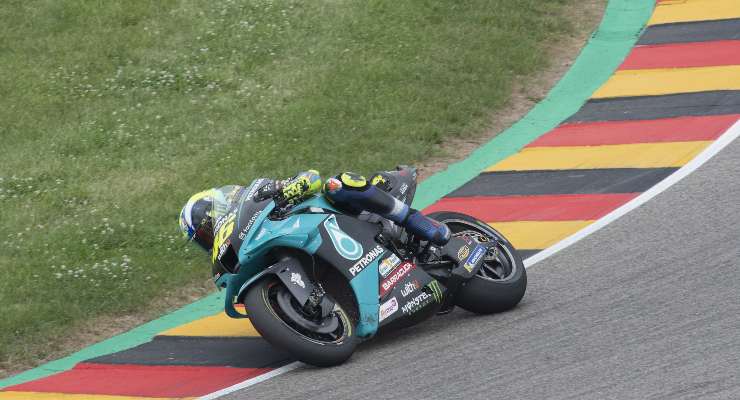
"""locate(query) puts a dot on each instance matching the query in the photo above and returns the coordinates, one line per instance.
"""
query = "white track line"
(252, 381)
(714, 148)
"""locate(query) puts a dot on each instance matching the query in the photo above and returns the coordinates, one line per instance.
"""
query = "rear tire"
(277, 326)
(501, 282)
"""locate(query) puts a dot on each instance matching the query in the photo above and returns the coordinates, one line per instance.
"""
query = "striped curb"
(665, 104)
(668, 102)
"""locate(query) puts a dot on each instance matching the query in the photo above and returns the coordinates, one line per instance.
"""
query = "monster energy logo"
(436, 289)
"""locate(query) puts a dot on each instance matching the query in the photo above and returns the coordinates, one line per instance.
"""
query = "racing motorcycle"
(316, 282)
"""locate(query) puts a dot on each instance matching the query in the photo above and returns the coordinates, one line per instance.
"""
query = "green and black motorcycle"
(315, 281)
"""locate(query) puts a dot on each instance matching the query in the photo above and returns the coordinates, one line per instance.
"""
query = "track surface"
(644, 308)
(598, 320)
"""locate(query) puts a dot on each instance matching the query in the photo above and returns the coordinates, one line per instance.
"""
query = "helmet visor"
(207, 207)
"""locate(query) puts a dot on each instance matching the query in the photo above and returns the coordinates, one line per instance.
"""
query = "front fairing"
(235, 214)
(317, 228)
(305, 228)
(297, 229)
(318, 203)
(258, 234)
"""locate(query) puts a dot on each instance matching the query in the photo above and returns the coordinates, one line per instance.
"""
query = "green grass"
(113, 113)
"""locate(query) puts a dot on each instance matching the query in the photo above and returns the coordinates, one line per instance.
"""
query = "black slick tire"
(482, 295)
(268, 322)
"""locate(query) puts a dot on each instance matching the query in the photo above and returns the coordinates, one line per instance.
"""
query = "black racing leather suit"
(353, 193)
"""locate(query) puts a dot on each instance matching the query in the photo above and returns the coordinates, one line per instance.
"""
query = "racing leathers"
(353, 193)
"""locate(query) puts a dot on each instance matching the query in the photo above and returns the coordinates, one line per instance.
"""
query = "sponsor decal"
(388, 308)
(474, 258)
(463, 252)
(222, 249)
(387, 265)
(246, 229)
(346, 246)
(220, 239)
(396, 276)
(417, 303)
(410, 287)
(403, 188)
(295, 278)
(436, 289)
(222, 220)
(254, 188)
(376, 252)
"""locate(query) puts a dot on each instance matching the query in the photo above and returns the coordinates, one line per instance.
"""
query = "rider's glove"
(292, 190)
(301, 186)
(268, 191)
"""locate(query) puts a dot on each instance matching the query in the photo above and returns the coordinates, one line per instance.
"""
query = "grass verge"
(113, 113)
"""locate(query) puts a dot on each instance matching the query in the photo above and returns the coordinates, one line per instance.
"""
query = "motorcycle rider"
(349, 192)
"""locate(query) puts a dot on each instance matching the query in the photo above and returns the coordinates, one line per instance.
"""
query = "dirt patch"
(562, 53)
(585, 16)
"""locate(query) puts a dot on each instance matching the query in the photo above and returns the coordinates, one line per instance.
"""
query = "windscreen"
(223, 199)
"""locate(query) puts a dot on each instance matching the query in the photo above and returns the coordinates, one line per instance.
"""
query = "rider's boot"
(426, 228)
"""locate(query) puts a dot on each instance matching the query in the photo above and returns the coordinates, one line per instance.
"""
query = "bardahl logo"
(366, 260)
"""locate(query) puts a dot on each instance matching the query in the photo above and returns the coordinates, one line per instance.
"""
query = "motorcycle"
(316, 282)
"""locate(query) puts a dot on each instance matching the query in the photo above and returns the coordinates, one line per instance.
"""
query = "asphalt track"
(645, 308)
(666, 104)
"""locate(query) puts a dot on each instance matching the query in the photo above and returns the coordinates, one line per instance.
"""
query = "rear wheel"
(501, 281)
(279, 318)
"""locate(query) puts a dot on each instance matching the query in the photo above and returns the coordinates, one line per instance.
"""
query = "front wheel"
(279, 318)
(501, 281)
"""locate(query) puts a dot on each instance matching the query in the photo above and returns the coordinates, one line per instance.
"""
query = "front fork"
(311, 296)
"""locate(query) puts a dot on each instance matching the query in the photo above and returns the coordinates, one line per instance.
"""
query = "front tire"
(265, 303)
(501, 282)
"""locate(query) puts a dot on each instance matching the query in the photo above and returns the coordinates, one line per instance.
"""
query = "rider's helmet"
(196, 219)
